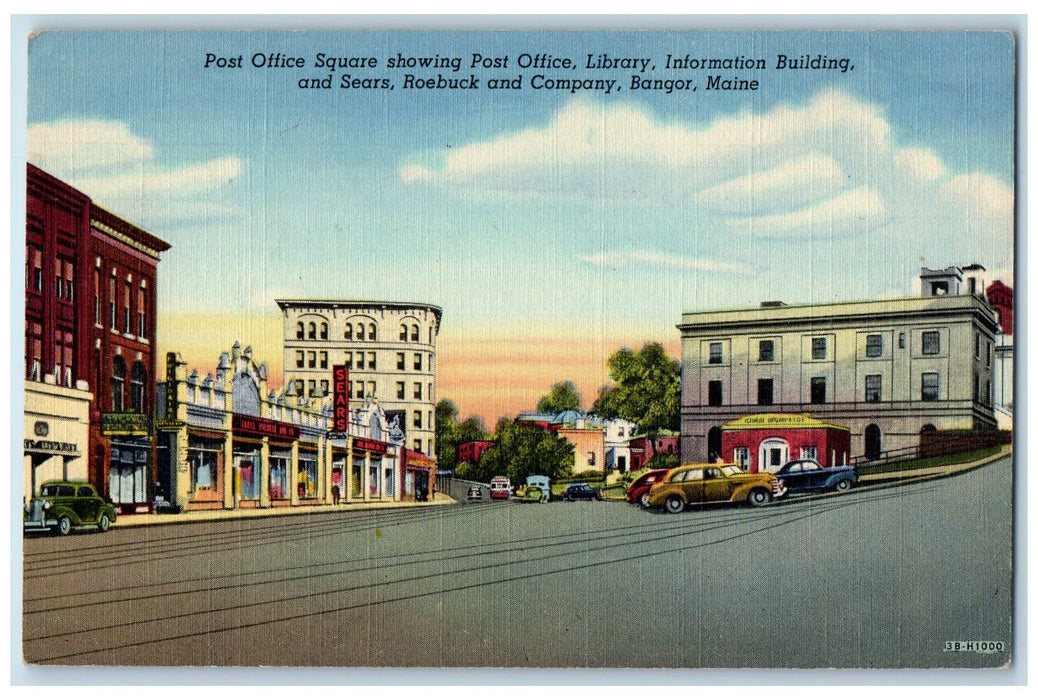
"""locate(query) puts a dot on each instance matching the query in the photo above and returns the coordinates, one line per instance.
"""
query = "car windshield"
(57, 490)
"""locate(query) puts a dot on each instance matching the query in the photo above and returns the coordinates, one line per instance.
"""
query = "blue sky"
(581, 213)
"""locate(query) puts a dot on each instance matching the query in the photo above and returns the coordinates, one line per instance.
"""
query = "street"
(875, 578)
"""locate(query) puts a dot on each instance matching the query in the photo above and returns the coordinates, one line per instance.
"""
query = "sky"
(552, 226)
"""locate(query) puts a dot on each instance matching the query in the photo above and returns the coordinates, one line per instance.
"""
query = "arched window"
(118, 383)
(299, 331)
(324, 331)
(414, 334)
(371, 331)
(403, 332)
(713, 443)
(138, 380)
(349, 332)
(313, 331)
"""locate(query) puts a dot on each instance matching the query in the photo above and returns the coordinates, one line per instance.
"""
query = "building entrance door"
(773, 453)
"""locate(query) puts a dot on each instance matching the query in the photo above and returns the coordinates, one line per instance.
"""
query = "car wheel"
(843, 485)
(759, 497)
(64, 525)
(103, 523)
(644, 500)
(674, 504)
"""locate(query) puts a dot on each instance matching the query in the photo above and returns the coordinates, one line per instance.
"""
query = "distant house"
(644, 447)
(471, 452)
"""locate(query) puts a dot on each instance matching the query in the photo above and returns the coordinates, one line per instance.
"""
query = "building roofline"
(353, 303)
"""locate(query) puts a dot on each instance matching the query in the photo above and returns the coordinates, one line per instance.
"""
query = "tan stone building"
(388, 348)
(888, 369)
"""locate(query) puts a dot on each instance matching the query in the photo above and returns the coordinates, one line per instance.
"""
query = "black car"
(475, 493)
(576, 492)
(802, 475)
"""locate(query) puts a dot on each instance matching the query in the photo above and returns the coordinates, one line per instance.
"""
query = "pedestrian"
(335, 494)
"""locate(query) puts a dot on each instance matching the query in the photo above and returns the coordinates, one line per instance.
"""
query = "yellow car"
(713, 483)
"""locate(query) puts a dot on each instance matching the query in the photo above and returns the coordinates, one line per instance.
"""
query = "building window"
(873, 345)
(931, 386)
(418, 361)
(323, 359)
(97, 297)
(713, 391)
(818, 348)
(901, 340)
(403, 332)
(414, 334)
(312, 335)
(418, 445)
(311, 387)
(591, 459)
(400, 390)
(311, 359)
(766, 351)
(400, 360)
(138, 382)
(36, 276)
(34, 351)
(417, 390)
(300, 362)
(976, 345)
(118, 383)
(818, 389)
(348, 360)
(715, 353)
(298, 383)
(360, 359)
(142, 313)
(371, 331)
(63, 358)
(324, 331)
(741, 456)
(371, 360)
(765, 392)
(126, 308)
(931, 342)
(348, 335)
(371, 388)
(418, 419)
(989, 354)
(809, 452)
(299, 331)
(873, 388)
(358, 390)
(113, 320)
(324, 387)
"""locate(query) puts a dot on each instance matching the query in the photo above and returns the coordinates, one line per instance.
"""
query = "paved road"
(873, 578)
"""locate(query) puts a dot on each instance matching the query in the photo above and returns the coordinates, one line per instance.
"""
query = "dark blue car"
(581, 491)
(802, 475)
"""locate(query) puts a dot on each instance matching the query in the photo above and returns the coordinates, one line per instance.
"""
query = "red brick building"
(90, 307)
(470, 452)
(1000, 296)
(766, 441)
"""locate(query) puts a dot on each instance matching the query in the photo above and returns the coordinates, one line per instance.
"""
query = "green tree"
(562, 397)
(521, 450)
(646, 389)
(450, 433)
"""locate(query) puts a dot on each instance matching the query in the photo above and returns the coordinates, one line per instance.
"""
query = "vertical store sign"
(341, 394)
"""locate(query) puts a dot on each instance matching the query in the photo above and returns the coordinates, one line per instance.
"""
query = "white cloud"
(615, 259)
(117, 168)
(846, 213)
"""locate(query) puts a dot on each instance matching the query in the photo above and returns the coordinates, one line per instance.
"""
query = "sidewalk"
(195, 516)
(932, 472)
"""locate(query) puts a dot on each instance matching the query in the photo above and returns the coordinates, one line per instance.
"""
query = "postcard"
(551, 349)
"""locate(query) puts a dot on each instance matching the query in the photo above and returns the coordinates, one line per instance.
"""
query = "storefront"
(419, 476)
(131, 475)
(57, 429)
(766, 441)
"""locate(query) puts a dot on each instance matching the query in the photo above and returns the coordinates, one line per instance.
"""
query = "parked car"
(713, 483)
(575, 492)
(475, 493)
(802, 475)
(531, 493)
(64, 506)
(500, 487)
(638, 491)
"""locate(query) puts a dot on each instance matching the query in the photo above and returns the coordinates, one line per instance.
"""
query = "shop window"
(931, 388)
(931, 343)
(203, 464)
(765, 392)
(138, 382)
(278, 478)
(818, 348)
(874, 345)
(714, 393)
(716, 351)
(118, 383)
(817, 389)
(873, 388)
(306, 482)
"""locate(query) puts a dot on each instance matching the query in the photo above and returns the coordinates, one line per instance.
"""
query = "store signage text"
(264, 427)
(370, 445)
(125, 424)
(50, 446)
(341, 396)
